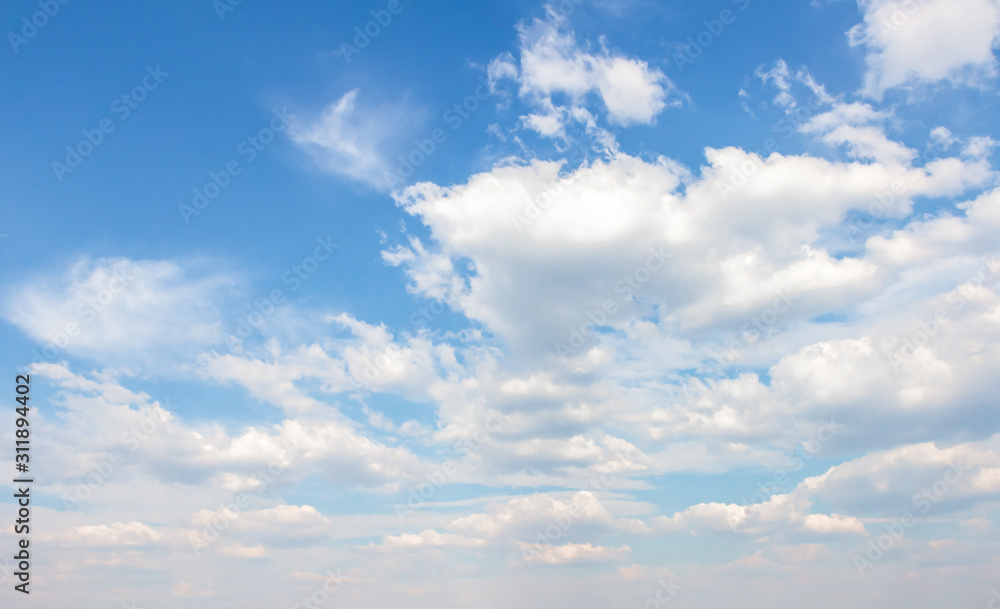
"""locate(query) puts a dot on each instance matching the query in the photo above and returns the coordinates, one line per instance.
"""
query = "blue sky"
(601, 303)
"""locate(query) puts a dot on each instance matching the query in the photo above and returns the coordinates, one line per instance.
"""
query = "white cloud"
(852, 125)
(915, 478)
(919, 478)
(522, 516)
(572, 552)
(742, 255)
(280, 526)
(552, 62)
(584, 237)
(781, 515)
(521, 521)
(430, 538)
(351, 140)
(782, 78)
(927, 41)
(118, 534)
(102, 417)
(120, 311)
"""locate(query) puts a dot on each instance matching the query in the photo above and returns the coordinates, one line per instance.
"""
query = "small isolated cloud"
(553, 63)
(350, 139)
(926, 41)
(783, 79)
